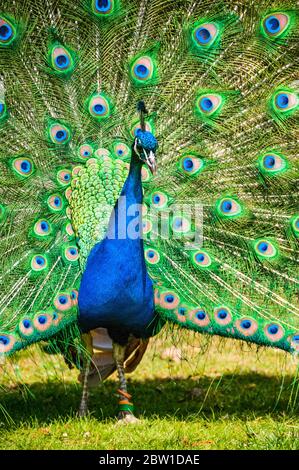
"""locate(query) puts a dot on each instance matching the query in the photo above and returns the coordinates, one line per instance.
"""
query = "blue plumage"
(116, 291)
(147, 140)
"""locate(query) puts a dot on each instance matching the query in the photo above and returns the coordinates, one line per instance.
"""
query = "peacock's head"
(145, 146)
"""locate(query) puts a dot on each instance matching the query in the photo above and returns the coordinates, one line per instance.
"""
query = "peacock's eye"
(159, 200)
(121, 150)
(26, 327)
(152, 256)
(61, 59)
(188, 164)
(70, 253)
(201, 259)
(199, 317)
(7, 32)
(269, 161)
(63, 302)
(265, 249)
(23, 166)
(142, 70)
(228, 208)
(294, 340)
(55, 203)
(7, 343)
(208, 104)
(222, 315)
(74, 295)
(59, 134)
(275, 24)
(64, 177)
(85, 151)
(4, 340)
(103, 7)
(284, 101)
(181, 225)
(274, 332)
(204, 35)
(169, 300)
(99, 107)
(246, 326)
(191, 165)
(42, 228)
(272, 163)
(42, 321)
(39, 263)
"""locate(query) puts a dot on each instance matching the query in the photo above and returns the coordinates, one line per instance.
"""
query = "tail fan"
(220, 217)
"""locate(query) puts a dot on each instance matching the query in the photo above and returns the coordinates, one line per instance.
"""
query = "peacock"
(148, 176)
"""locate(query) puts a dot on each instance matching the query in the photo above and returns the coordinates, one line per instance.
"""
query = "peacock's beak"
(150, 159)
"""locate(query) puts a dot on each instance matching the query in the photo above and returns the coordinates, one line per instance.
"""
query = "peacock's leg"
(83, 409)
(125, 414)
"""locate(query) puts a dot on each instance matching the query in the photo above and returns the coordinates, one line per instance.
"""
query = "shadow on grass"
(236, 396)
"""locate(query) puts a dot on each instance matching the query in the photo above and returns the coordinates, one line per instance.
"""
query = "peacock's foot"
(125, 417)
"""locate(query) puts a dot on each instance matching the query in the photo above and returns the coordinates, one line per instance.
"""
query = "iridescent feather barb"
(219, 82)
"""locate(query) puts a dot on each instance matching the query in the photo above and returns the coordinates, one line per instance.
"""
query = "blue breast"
(116, 292)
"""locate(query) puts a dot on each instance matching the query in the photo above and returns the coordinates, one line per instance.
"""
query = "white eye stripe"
(151, 158)
(135, 147)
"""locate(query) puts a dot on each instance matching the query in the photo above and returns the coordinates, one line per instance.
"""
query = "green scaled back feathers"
(220, 219)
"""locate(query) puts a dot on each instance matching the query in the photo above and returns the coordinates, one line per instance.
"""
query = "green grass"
(225, 396)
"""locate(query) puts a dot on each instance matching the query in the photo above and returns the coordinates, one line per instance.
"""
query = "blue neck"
(133, 186)
(127, 216)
